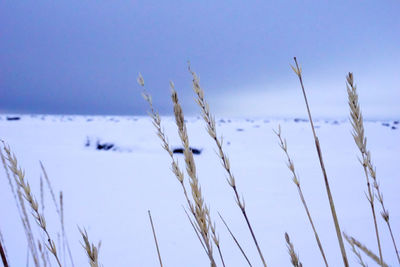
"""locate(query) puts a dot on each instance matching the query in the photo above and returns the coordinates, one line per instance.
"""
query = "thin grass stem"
(296, 181)
(155, 238)
(297, 70)
(236, 241)
(3, 255)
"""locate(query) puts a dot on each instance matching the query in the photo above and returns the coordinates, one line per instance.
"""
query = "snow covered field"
(109, 192)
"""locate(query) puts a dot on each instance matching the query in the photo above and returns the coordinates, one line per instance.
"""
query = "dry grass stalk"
(62, 224)
(156, 121)
(41, 193)
(155, 238)
(361, 141)
(236, 241)
(19, 201)
(27, 227)
(215, 238)
(366, 250)
(298, 72)
(59, 205)
(296, 181)
(50, 187)
(355, 251)
(3, 253)
(212, 131)
(201, 210)
(294, 258)
(197, 210)
(195, 230)
(42, 254)
(27, 194)
(92, 251)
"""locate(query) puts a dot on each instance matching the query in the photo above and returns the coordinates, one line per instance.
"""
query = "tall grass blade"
(298, 72)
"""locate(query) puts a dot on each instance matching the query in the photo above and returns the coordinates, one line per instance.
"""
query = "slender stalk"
(355, 251)
(42, 253)
(155, 238)
(366, 250)
(297, 70)
(3, 255)
(296, 181)
(60, 211)
(394, 242)
(236, 241)
(195, 230)
(215, 238)
(212, 131)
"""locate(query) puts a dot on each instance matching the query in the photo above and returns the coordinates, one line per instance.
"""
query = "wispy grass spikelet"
(296, 181)
(364, 249)
(197, 208)
(92, 251)
(357, 123)
(26, 190)
(294, 258)
(355, 251)
(212, 131)
(19, 202)
(201, 210)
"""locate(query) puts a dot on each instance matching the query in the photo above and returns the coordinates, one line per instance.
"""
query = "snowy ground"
(109, 192)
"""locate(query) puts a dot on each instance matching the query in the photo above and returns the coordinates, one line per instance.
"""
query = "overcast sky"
(83, 57)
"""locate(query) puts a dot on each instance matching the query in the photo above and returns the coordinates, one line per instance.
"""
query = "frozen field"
(109, 192)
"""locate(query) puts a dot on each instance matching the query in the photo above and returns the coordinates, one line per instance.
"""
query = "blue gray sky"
(83, 57)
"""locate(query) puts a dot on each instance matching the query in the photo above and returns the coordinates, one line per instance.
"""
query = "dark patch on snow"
(104, 146)
(394, 127)
(266, 121)
(87, 143)
(180, 150)
(256, 126)
(385, 124)
(335, 122)
(16, 118)
(97, 144)
(300, 120)
(239, 129)
(113, 119)
(221, 121)
(396, 122)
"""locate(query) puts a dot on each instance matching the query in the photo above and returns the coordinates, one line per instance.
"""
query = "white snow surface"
(110, 192)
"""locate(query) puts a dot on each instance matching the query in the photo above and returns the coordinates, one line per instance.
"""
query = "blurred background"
(83, 57)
